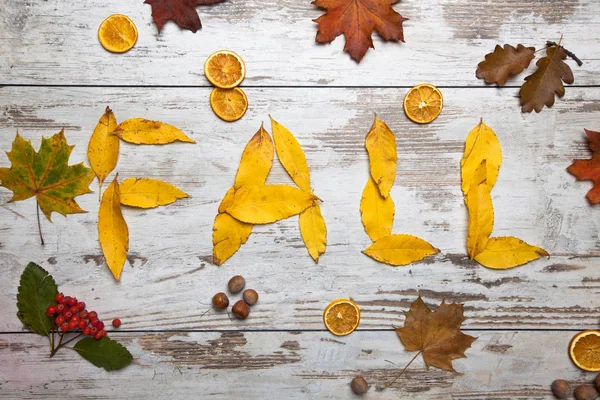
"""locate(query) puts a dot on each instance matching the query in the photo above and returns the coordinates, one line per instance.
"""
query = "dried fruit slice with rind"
(341, 317)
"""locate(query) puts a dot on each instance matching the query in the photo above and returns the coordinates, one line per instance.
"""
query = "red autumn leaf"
(590, 169)
(182, 12)
(356, 20)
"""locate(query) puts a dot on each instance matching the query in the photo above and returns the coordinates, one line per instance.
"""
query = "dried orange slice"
(584, 350)
(341, 317)
(423, 103)
(117, 33)
(229, 104)
(225, 69)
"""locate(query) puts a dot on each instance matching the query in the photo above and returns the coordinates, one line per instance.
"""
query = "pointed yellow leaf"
(481, 144)
(256, 161)
(381, 146)
(144, 131)
(229, 235)
(112, 229)
(263, 204)
(377, 213)
(103, 148)
(148, 193)
(291, 155)
(314, 231)
(400, 249)
(508, 252)
(481, 211)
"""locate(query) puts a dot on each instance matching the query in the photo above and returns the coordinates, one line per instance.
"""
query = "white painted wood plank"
(55, 42)
(307, 365)
(168, 281)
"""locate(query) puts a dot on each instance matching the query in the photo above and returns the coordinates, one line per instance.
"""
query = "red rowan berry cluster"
(70, 315)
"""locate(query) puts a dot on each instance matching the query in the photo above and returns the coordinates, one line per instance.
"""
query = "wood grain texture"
(169, 279)
(51, 42)
(307, 365)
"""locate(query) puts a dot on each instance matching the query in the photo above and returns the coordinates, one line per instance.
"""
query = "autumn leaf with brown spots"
(589, 170)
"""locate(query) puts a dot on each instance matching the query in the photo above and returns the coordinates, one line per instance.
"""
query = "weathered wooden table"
(54, 74)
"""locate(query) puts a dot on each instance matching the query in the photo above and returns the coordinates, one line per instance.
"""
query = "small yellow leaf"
(481, 211)
(291, 155)
(481, 144)
(103, 148)
(508, 252)
(112, 229)
(381, 146)
(144, 131)
(263, 204)
(400, 249)
(377, 213)
(256, 161)
(229, 235)
(314, 231)
(148, 193)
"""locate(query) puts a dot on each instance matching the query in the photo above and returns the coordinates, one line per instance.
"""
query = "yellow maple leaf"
(481, 211)
(148, 193)
(508, 252)
(290, 155)
(143, 131)
(314, 231)
(481, 144)
(381, 146)
(400, 249)
(112, 229)
(103, 148)
(377, 212)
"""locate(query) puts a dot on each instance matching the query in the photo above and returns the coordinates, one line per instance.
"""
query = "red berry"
(94, 322)
(116, 322)
(59, 298)
(98, 336)
(103, 332)
(83, 314)
(60, 320)
(75, 318)
(81, 324)
(92, 314)
(87, 331)
(93, 330)
(100, 325)
(67, 314)
(64, 327)
(72, 324)
(67, 301)
(60, 308)
(74, 310)
(50, 311)
(80, 306)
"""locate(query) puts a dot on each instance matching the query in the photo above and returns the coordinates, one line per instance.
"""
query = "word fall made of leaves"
(377, 208)
(250, 201)
(103, 153)
(480, 167)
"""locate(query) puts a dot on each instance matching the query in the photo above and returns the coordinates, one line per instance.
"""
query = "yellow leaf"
(481, 144)
(256, 161)
(103, 148)
(291, 155)
(112, 229)
(227, 200)
(148, 193)
(229, 235)
(377, 213)
(481, 211)
(381, 146)
(508, 252)
(263, 204)
(314, 231)
(143, 131)
(400, 249)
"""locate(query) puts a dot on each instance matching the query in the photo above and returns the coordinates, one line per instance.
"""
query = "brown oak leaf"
(182, 12)
(589, 169)
(504, 62)
(356, 20)
(539, 88)
(435, 334)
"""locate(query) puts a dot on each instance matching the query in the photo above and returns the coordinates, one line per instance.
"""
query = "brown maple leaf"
(436, 334)
(182, 12)
(356, 20)
(504, 62)
(539, 88)
(589, 169)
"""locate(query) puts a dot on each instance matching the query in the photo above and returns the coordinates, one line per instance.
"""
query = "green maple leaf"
(46, 174)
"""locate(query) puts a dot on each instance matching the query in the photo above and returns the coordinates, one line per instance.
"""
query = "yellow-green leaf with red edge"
(589, 169)
(46, 174)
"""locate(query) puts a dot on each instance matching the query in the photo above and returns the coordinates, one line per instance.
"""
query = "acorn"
(359, 385)
(585, 392)
(236, 284)
(241, 309)
(220, 301)
(561, 389)
(250, 296)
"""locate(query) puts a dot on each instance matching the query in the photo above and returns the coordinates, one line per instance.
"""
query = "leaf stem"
(39, 224)
(402, 372)
(57, 347)
(550, 43)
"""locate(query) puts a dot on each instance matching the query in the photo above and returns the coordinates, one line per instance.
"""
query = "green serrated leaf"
(104, 353)
(37, 291)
